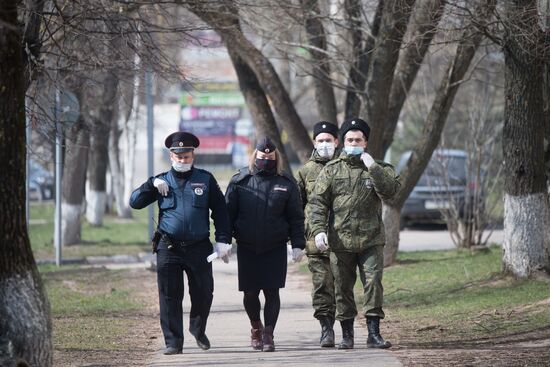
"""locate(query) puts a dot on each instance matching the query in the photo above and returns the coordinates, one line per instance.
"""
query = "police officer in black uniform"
(266, 212)
(185, 195)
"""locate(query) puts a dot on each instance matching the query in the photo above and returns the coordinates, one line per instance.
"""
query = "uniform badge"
(199, 191)
(368, 183)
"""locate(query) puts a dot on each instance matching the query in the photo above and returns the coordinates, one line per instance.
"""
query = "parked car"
(444, 185)
(41, 182)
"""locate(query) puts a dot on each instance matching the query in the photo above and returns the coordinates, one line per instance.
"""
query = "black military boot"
(375, 340)
(327, 332)
(347, 334)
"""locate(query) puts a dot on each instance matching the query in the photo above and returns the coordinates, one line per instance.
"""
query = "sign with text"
(213, 111)
(210, 113)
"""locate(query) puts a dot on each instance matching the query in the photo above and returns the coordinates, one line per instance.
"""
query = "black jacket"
(183, 213)
(265, 211)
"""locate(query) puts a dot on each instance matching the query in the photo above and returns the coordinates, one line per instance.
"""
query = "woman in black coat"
(266, 212)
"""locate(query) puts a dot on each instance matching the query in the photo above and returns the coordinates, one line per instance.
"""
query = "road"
(436, 238)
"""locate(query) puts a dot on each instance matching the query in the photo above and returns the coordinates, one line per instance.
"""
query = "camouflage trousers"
(371, 266)
(322, 293)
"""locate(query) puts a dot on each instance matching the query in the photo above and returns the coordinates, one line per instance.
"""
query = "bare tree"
(324, 92)
(224, 18)
(258, 104)
(77, 144)
(435, 121)
(25, 324)
(381, 60)
(526, 247)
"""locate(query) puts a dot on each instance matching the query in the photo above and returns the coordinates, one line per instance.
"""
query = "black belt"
(171, 242)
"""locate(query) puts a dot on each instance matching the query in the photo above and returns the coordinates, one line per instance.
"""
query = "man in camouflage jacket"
(325, 136)
(352, 188)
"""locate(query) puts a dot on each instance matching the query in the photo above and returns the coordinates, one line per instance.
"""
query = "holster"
(155, 241)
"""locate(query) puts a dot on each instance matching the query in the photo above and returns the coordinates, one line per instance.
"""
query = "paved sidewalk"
(296, 333)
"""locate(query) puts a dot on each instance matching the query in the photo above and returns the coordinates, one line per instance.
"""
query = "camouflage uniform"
(318, 262)
(355, 231)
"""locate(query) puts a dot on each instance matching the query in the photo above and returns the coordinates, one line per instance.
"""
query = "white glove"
(161, 186)
(367, 159)
(223, 249)
(214, 255)
(321, 241)
(297, 254)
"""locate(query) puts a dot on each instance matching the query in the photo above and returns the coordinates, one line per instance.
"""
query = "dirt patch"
(472, 357)
(136, 339)
(513, 349)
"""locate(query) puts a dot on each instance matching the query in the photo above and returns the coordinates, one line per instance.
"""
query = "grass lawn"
(116, 236)
(457, 294)
(94, 297)
(100, 315)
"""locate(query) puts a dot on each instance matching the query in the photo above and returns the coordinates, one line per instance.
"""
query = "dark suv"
(443, 186)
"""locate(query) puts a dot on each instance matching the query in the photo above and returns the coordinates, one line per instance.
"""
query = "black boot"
(327, 332)
(347, 334)
(375, 340)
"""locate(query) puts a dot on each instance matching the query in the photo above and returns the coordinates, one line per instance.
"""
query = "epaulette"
(240, 174)
(383, 164)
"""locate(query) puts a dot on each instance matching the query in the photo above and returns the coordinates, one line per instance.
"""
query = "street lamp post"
(150, 151)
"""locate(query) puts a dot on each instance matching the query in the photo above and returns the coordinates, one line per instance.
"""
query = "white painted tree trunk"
(391, 217)
(122, 155)
(22, 311)
(129, 146)
(70, 223)
(95, 207)
(115, 177)
(526, 247)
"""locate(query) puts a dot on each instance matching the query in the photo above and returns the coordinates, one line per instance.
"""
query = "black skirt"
(262, 271)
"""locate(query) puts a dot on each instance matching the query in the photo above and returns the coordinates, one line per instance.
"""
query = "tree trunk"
(116, 166)
(74, 180)
(425, 19)
(223, 17)
(435, 121)
(546, 87)
(395, 18)
(96, 195)
(25, 324)
(258, 105)
(391, 218)
(361, 51)
(324, 92)
(526, 247)
(129, 135)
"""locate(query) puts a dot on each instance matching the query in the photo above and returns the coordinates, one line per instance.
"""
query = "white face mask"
(181, 167)
(325, 149)
(353, 150)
